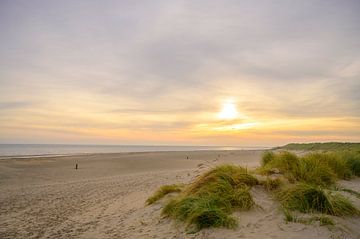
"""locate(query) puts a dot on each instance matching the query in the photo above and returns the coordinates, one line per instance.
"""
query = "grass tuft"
(325, 221)
(313, 169)
(212, 197)
(334, 161)
(267, 157)
(311, 198)
(162, 191)
(271, 184)
(201, 212)
(233, 176)
(317, 168)
(353, 161)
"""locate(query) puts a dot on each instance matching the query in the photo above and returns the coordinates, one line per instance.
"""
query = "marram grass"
(302, 183)
(323, 220)
(271, 184)
(334, 161)
(316, 168)
(267, 156)
(162, 191)
(353, 161)
(313, 198)
(210, 199)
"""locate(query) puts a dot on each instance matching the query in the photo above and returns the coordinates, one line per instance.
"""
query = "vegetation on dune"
(284, 162)
(323, 220)
(202, 212)
(162, 191)
(353, 192)
(330, 146)
(271, 184)
(337, 162)
(314, 170)
(212, 197)
(213, 180)
(267, 157)
(353, 161)
(313, 198)
(314, 175)
(301, 183)
(317, 168)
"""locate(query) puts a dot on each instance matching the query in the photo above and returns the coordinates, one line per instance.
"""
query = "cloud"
(13, 105)
(170, 64)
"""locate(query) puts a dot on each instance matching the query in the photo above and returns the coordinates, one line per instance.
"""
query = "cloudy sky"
(179, 72)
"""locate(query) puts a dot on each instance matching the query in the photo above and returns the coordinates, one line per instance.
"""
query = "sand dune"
(105, 198)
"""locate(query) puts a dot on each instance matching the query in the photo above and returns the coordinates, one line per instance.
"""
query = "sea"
(40, 150)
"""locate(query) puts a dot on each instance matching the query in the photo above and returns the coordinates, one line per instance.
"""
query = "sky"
(245, 73)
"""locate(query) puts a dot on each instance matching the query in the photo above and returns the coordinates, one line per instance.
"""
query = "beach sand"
(105, 198)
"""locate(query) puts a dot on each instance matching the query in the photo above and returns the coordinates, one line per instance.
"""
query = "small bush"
(309, 198)
(162, 191)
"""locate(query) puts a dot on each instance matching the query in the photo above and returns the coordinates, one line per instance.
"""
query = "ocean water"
(63, 149)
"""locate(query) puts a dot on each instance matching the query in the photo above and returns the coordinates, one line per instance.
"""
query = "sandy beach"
(105, 198)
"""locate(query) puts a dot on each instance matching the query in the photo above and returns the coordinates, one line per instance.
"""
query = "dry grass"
(162, 191)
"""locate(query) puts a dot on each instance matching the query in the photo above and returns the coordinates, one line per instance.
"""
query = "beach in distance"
(105, 197)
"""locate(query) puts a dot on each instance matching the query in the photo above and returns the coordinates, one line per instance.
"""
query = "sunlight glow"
(228, 111)
(235, 127)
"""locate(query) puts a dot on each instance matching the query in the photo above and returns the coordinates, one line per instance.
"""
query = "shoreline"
(4, 157)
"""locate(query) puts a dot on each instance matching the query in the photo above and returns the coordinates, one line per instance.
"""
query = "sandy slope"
(48, 198)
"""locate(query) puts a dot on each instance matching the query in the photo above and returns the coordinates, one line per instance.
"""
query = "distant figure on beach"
(187, 157)
(76, 166)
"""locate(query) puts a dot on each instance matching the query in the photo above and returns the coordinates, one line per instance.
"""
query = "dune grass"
(267, 156)
(317, 168)
(353, 161)
(210, 199)
(353, 192)
(313, 170)
(284, 161)
(302, 183)
(334, 161)
(162, 191)
(201, 212)
(313, 198)
(322, 219)
(330, 146)
(271, 184)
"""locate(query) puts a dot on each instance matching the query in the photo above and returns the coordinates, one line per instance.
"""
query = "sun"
(228, 111)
